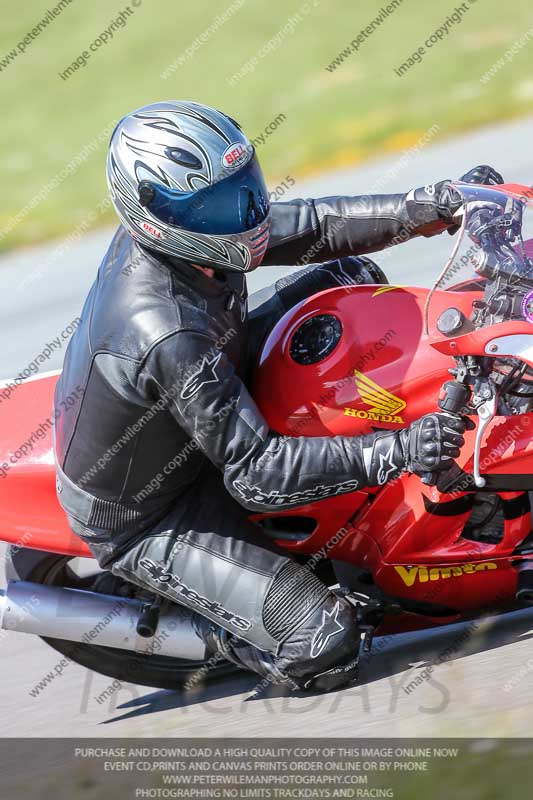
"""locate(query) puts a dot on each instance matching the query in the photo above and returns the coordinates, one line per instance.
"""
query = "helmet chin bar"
(220, 252)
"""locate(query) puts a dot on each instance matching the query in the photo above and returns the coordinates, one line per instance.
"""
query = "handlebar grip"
(431, 478)
(454, 397)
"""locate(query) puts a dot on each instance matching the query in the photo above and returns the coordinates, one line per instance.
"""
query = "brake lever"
(486, 411)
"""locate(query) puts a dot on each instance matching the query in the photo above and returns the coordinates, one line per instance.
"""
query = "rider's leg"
(259, 608)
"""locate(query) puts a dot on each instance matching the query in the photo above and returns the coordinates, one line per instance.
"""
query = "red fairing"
(500, 340)
(385, 373)
(30, 512)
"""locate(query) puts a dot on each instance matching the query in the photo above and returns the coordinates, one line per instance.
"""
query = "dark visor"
(235, 204)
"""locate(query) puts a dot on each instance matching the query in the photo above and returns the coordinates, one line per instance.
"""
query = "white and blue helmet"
(185, 181)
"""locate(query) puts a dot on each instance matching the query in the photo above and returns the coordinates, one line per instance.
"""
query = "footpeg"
(369, 617)
(149, 619)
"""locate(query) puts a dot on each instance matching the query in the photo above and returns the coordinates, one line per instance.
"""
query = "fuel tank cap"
(315, 339)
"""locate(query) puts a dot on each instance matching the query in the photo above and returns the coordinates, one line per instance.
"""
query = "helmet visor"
(235, 204)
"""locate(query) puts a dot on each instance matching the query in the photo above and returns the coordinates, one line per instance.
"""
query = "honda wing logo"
(206, 374)
(384, 406)
(330, 627)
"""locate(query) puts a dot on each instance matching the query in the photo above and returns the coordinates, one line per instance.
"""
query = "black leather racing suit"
(163, 450)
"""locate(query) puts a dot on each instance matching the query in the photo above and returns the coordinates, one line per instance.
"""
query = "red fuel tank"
(352, 359)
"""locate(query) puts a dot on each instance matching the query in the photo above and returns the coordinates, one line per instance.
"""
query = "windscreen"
(496, 236)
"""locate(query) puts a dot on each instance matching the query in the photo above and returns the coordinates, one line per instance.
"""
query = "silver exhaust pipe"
(98, 619)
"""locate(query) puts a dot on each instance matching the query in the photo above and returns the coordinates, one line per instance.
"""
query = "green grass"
(489, 770)
(332, 118)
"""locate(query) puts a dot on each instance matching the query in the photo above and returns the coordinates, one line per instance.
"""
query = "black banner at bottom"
(277, 769)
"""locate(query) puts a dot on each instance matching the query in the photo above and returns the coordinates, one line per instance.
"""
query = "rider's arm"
(304, 231)
(332, 227)
(262, 469)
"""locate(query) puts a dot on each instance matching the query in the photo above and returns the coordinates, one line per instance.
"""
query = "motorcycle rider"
(163, 453)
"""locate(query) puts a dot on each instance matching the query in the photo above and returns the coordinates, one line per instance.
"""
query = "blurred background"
(339, 97)
(327, 118)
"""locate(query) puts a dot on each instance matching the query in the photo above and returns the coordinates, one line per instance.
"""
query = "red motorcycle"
(415, 552)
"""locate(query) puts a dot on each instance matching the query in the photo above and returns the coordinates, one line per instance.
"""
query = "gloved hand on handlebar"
(482, 174)
(428, 445)
(444, 199)
(449, 200)
(432, 442)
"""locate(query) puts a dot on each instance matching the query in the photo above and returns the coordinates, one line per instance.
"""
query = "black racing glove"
(449, 199)
(482, 174)
(432, 442)
(428, 445)
(443, 200)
